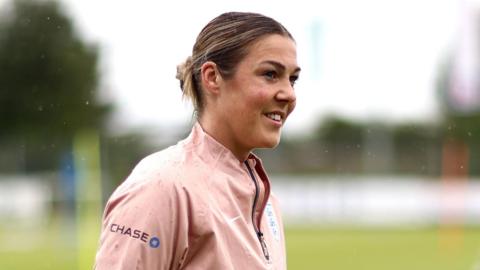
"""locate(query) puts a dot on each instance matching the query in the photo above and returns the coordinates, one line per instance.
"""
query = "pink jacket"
(193, 206)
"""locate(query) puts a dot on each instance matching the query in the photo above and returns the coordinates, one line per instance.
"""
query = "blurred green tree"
(334, 128)
(48, 83)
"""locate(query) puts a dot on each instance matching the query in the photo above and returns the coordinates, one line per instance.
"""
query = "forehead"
(273, 48)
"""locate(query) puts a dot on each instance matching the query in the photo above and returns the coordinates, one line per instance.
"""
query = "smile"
(274, 116)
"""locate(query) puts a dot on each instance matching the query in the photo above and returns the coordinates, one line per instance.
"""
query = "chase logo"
(153, 241)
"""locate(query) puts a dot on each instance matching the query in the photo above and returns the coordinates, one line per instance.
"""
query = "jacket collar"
(212, 151)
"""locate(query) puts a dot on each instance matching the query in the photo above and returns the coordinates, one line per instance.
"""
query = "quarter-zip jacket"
(193, 205)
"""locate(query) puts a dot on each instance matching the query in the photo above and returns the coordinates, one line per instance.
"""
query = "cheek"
(259, 98)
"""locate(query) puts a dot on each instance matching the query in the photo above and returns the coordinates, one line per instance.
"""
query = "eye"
(293, 79)
(270, 75)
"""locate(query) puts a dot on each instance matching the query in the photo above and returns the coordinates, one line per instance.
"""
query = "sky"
(370, 59)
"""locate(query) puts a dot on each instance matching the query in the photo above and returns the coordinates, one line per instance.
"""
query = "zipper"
(254, 206)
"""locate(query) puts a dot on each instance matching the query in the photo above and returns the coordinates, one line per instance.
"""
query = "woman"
(205, 203)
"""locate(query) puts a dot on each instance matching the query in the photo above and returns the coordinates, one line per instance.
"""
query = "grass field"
(308, 248)
(384, 249)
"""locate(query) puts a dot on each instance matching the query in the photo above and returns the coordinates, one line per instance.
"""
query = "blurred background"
(378, 167)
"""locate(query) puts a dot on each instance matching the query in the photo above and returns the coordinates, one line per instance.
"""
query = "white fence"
(378, 201)
(24, 200)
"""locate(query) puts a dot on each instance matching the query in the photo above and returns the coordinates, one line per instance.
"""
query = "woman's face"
(255, 103)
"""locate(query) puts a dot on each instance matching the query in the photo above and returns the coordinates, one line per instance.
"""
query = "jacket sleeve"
(144, 227)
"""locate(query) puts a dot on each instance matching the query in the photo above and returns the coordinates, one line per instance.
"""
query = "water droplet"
(40, 108)
(48, 18)
(469, 134)
(87, 103)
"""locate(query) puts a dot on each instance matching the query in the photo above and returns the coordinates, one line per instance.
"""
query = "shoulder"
(171, 174)
(153, 168)
(161, 167)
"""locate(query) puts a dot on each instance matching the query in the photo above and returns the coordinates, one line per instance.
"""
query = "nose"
(286, 93)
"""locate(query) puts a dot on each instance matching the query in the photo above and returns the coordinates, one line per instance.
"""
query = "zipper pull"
(264, 246)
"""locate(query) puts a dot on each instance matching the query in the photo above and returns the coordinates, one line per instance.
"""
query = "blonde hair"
(225, 40)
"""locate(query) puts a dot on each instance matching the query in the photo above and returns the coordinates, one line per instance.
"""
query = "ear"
(210, 77)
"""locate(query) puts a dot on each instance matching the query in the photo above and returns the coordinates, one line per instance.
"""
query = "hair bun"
(184, 70)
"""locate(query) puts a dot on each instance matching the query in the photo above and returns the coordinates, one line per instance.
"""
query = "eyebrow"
(280, 66)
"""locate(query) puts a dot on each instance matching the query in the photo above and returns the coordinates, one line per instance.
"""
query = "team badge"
(272, 221)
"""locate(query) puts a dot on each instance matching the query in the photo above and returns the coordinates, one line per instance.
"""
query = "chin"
(271, 142)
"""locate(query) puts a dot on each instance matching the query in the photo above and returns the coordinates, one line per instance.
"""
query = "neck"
(215, 130)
